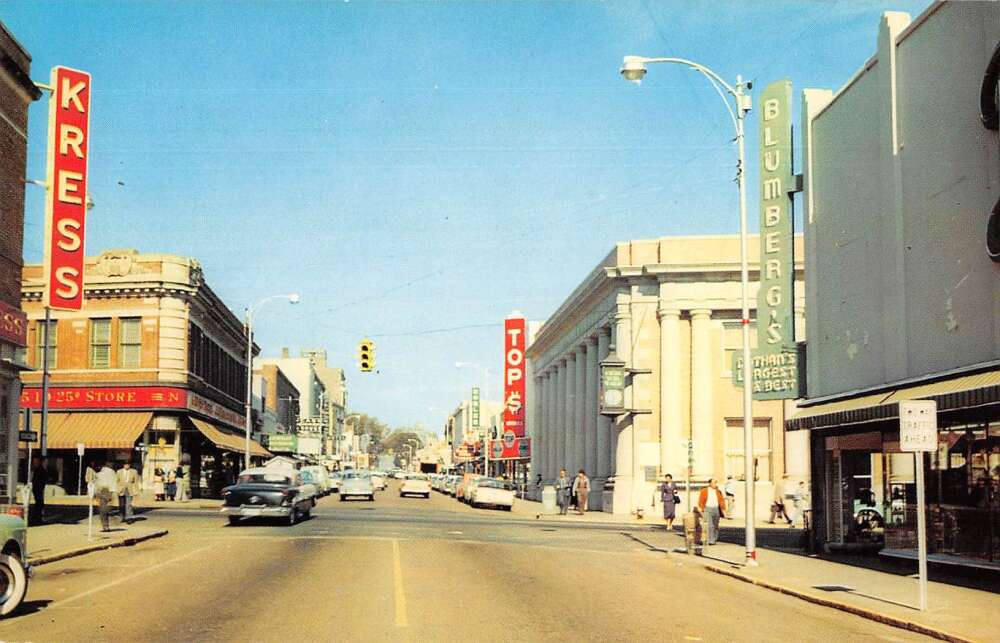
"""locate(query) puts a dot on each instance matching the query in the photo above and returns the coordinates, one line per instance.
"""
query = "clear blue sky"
(414, 166)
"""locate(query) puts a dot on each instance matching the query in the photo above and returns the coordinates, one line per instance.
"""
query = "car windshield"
(492, 484)
(264, 478)
(417, 477)
(356, 475)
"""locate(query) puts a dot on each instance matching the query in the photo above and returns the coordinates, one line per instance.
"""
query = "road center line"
(397, 570)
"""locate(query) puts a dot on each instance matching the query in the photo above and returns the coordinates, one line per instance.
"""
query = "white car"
(357, 483)
(415, 484)
(320, 478)
(378, 481)
(335, 482)
(492, 493)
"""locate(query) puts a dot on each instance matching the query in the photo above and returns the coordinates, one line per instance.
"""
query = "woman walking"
(668, 494)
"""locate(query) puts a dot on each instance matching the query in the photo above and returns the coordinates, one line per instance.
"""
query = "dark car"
(268, 493)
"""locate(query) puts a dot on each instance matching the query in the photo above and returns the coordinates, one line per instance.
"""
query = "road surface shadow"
(31, 607)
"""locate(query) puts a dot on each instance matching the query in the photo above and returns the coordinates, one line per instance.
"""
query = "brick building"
(16, 93)
(152, 370)
(280, 404)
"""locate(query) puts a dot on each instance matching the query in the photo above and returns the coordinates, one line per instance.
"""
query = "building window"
(761, 448)
(40, 343)
(130, 342)
(100, 343)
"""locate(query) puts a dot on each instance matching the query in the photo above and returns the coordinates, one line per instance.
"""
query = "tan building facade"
(670, 308)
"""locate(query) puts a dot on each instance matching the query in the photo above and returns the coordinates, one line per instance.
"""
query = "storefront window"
(761, 448)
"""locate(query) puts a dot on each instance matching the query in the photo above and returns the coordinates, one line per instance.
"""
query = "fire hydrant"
(692, 532)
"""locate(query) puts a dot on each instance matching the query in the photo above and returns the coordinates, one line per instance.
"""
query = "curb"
(127, 542)
(871, 615)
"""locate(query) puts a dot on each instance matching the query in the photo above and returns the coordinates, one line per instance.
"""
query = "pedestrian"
(799, 501)
(105, 485)
(128, 488)
(730, 491)
(171, 486)
(670, 499)
(89, 476)
(778, 501)
(562, 492)
(581, 489)
(39, 478)
(712, 505)
(158, 484)
(183, 482)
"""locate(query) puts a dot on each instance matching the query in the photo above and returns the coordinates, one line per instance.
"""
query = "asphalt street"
(406, 570)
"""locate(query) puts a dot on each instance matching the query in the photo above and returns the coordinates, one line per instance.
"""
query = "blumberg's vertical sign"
(512, 438)
(775, 301)
(66, 200)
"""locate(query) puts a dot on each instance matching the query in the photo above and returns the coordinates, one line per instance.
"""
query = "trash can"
(692, 533)
(549, 501)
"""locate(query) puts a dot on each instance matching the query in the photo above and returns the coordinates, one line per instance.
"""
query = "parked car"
(320, 478)
(357, 483)
(14, 569)
(415, 484)
(464, 490)
(493, 493)
(268, 493)
(452, 487)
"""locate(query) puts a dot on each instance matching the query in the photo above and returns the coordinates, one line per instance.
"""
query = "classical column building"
(670, 309)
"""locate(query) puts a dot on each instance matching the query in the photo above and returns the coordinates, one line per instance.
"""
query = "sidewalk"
(144, 501)
(51, 542)
(954, 613)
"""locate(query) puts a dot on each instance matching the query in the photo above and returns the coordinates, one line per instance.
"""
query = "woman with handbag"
(668, 494)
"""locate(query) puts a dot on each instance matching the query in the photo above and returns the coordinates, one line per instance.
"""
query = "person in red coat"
(712, 505)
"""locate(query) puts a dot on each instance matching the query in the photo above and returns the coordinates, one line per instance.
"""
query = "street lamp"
(486, 394)
(292, 298)
(634, 69)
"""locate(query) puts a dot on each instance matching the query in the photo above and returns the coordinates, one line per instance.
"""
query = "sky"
(418, 170)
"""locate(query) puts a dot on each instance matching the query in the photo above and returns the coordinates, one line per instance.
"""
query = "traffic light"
(366, 355)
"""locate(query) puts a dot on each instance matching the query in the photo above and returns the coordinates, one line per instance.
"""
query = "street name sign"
(28, 436)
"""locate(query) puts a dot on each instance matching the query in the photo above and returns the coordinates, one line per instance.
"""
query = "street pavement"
(406, 570)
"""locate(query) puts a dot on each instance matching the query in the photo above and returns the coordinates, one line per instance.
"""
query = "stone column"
(569, 410)
(701, 394)
(624, 456)
(673, 457)
(590, 413)
(580, 411)
(603, 421)
(560, 415)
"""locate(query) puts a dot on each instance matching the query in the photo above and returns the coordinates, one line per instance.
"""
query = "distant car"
(415, 484)
(464, 490)
(335, 482)
(268, 493)
(493, 493)
(378, 481)
(320, 478)
(355, 484)
(14, 569)
(452, 487)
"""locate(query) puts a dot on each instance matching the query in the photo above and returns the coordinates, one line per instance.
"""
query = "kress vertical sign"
(513, 443)
(66, 199)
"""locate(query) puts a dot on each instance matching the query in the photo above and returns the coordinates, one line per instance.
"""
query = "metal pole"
(921, 529)
(489, 444)
(751, 535)
(43, 435)
(246, 457)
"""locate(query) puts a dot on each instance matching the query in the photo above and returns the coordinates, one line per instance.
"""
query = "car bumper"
(253, 511)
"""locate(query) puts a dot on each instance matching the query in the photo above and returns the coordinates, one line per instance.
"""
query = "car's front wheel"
(234, 520)
(13, 583)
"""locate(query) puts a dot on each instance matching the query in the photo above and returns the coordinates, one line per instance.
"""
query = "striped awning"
(228, 441)
(954, 394)
(118, 430)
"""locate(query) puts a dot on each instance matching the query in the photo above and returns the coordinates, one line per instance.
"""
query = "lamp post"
(634, 69)
(486, 395)
(292, 298)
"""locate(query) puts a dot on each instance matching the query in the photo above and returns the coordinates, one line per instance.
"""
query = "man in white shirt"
(105, 485)
(128, 486)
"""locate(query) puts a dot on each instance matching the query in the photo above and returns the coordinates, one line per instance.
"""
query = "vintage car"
(378, 480)
(14, 570)
(492, 493)
(335, 482)
(268, 493)
(357, 483)
(319, 477)
(415, 484)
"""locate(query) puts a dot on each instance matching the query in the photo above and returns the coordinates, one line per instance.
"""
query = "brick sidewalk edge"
(871, 615)
(80, 551)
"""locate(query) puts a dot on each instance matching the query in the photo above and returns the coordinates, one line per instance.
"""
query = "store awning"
(118, 430)
(228, 441)
(953, 394)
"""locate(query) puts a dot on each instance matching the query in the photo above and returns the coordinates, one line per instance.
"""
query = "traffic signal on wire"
(366, 355)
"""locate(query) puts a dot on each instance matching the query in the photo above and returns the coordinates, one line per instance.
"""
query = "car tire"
(13, 583)
(508, 507)
(427, 496)
(371, 498)
(234, 520)
(305, 514)
(342, 497)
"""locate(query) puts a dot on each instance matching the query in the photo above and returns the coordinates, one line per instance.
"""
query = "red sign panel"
(66, 201)
(107, 397)
(13, 325)
(515, 341)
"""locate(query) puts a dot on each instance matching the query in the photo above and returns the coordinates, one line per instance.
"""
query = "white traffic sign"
(918, 425)
(80, 448)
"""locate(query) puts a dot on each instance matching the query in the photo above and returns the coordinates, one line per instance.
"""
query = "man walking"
(105, 483)
(39, 478)
(778, 501)
(562, 492)
(581, 488)
(713, 507)
(729, 489)
(128, 487)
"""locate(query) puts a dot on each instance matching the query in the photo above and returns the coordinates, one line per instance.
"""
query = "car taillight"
(13, 510)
